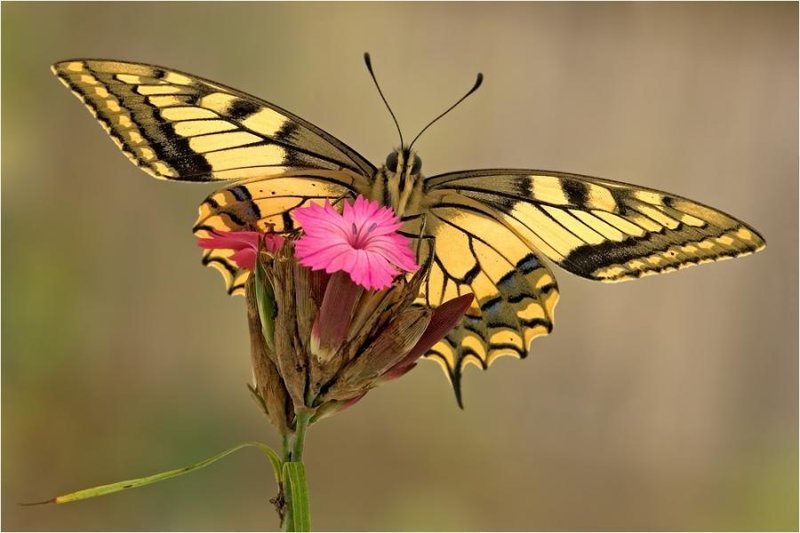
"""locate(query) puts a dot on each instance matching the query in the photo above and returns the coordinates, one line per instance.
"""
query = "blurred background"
(664, 404)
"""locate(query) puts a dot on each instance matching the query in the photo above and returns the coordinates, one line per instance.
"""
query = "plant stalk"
(296, 515)
(299, 439)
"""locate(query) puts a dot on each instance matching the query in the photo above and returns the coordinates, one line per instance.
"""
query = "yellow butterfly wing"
(179, 126)
(489, 226)
(602, 229)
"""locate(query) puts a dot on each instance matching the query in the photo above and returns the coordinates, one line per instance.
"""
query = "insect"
(489, 227)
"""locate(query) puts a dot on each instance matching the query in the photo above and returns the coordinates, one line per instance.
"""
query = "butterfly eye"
(415, 168)
(391, 162)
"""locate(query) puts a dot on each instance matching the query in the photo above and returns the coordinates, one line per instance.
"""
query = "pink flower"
(243, 243)
(362, 241)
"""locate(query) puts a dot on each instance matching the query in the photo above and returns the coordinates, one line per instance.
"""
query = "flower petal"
(243, 243)
(233, 240)
(245, 258)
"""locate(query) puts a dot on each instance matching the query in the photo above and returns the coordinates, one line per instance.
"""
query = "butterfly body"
(490, 228)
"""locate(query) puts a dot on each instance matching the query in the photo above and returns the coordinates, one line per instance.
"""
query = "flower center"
(360, 236)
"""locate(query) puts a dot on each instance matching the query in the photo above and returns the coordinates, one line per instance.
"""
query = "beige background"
(669, 403)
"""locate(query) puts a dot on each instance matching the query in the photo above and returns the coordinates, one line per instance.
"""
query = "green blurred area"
(667, 404)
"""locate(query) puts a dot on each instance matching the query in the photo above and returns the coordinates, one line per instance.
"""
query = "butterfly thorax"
(398, 182)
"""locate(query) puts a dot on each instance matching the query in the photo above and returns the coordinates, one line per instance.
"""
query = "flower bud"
(269, 386)
(292, 359)
(389, 347)
(332, 323)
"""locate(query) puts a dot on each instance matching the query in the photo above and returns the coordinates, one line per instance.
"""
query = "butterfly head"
(403, 161)
(402, 173)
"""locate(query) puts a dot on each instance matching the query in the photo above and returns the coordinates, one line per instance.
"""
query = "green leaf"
(294, 477)
(102, 490)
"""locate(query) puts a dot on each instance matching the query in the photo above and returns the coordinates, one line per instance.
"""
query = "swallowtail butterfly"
(490, 228)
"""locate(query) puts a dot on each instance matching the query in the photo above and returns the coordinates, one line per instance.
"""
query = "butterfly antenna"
(368, 61)
(475, 87)
(336, 201)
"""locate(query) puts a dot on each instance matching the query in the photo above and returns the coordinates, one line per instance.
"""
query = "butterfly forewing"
(601, 229)
(179, 126)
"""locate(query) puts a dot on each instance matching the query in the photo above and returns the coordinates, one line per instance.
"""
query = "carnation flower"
(362, 241)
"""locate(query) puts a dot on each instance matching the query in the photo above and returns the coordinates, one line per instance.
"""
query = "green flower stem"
(299, 441)
(297, 516)
(286, 441)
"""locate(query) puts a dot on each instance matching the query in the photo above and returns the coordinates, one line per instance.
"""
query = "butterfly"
(489, 228)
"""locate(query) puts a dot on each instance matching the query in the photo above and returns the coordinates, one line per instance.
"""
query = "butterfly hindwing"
(601, 229)
(182, 127)
(515, 293)
(263, 204)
